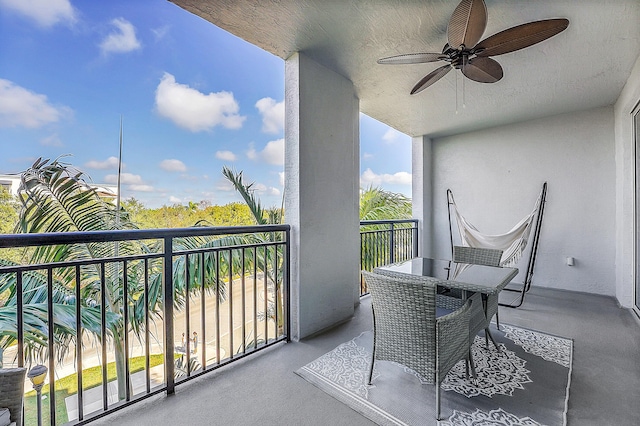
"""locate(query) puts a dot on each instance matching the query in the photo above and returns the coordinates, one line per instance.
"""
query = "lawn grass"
(67, 386)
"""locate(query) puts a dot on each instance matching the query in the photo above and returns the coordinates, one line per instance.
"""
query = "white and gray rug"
(527, 383)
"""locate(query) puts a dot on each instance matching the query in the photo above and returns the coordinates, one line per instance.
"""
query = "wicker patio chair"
(488, 257)
(12, 391)
(477, 256)
(407, 330)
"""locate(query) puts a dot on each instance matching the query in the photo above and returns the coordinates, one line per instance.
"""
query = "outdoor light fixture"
(37, 375)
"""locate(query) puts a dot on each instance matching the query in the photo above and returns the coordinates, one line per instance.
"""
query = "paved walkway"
(92, 398)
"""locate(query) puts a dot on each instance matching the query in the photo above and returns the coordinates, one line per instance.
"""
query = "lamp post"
(37, 375)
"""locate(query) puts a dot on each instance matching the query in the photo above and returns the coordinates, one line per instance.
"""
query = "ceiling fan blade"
(519, 37)
(431, 78)
(412, 58)
(467, 23)
(483, 70)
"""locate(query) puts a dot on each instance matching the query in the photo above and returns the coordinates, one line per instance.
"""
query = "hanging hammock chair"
(512, 243)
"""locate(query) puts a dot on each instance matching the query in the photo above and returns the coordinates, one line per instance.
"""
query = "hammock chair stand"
(526, 285)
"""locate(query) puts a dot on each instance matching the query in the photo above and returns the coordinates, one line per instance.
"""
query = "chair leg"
(474, 375)
(371, 371)
(373, 349)
(438, 397)
(488, 333)
(498, 319)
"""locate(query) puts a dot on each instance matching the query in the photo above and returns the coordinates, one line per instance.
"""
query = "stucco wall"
(496, 176)
(321, 194)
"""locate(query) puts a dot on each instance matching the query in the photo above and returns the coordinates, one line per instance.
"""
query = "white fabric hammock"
(512, 243)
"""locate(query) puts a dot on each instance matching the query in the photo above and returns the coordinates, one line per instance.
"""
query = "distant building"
(12, 184)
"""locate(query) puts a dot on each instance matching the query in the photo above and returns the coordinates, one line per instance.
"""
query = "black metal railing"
(386, 241)
(224, 292)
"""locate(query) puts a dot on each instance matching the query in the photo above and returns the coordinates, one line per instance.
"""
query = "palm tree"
(268, 261)
(378, 204)
(57, 199)
(375, 204)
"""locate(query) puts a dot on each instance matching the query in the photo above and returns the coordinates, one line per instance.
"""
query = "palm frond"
(378, 204)
(247, 193)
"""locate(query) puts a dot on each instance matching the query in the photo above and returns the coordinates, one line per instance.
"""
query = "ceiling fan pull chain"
(456, 77)
(464, 101)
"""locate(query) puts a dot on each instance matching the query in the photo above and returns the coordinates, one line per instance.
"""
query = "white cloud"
(133, 182)
(272, 115)
(125, 179)
(369, 178)
(122, 40)
(367, 156)
(45, 13)
(224, 185)
(161, 32)
(273, 191)
(141, 188)
(193, 110)
(281, 174)
(273, 153)
(173, 165)
(52, 140)
(174, 200)
(391, 135)
(226, 156)
(109, 163)
(252, 154)
(21, 107)
(261, 188)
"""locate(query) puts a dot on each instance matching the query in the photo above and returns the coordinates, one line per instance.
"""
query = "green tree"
(270, 262)
(178, 216)
(378, 204)
(9, 208)
(57, 199)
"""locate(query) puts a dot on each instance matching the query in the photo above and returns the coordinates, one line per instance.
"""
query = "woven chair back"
(12, 391)
(404, 314)
(477, 256)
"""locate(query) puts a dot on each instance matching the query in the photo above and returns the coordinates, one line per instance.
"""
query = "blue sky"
(192, 97)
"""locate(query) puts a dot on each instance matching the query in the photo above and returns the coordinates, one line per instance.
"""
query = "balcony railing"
(386, 241)
(173, 304)
(196, 299)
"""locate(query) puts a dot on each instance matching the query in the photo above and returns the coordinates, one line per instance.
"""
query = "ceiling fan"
(463, 51)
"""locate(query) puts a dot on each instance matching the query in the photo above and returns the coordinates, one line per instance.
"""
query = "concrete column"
(321, 194)
(421, 192)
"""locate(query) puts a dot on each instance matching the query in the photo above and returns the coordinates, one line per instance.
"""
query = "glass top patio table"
(463, 276)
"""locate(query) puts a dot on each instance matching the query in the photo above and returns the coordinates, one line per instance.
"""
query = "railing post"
(392, 249)
(415, 238)
(287, 277)
(169, 347)
(19, 319)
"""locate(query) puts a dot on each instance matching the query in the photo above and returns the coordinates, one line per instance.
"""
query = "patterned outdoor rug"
(527, 383)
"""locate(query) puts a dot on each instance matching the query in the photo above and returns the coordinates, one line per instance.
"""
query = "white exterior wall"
(321, 194)
(421, 200)
(11, 183)
(625, 194)
(496, 176)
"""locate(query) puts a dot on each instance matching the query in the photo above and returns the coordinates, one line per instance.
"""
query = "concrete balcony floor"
(264, 390)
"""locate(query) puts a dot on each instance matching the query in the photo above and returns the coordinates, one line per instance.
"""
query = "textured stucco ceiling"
(583, 67)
